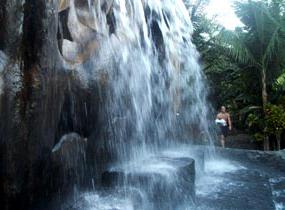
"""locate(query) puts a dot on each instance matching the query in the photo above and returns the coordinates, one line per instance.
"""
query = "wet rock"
(3, 63)
(169, 182)
(104, 4)
(11, 21)
(31, 103)
(107, 200)
(42, 100)
(69, 159)
(77, 39)
(70, 151)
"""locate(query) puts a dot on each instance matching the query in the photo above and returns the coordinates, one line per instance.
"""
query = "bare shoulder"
(219, 114)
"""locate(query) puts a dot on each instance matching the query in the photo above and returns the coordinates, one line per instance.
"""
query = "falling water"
(154, 95)
(143, 51)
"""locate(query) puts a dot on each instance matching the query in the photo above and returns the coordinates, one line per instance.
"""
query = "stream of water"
(155, 97)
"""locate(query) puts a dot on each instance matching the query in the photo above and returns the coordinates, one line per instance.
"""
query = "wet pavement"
(233, 180)
(242, 180)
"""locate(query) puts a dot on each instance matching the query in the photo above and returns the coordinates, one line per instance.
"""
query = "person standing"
(223, 120)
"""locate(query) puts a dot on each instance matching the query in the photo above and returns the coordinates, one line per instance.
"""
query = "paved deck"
(242, 180)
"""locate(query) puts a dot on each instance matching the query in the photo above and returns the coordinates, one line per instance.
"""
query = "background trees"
(246, 67)
(260, 43)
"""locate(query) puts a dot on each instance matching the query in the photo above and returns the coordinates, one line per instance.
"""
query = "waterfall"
(153, 93)
(143, 52)
(104, 107)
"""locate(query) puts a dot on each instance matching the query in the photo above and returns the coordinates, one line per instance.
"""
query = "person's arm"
(230, 122)
(218, 116)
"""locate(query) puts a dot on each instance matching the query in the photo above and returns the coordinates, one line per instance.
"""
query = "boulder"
(69, 155)
(167, 183)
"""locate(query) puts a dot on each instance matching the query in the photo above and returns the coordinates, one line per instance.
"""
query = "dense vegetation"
(246, 67)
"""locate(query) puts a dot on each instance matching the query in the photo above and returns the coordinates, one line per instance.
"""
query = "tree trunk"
(264, 102)
(266, 143)
(278, 138)
(264, 88)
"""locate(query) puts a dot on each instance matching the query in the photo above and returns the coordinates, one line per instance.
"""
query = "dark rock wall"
(2, 22)
(36, 103)
(27, 128)
(11, 21)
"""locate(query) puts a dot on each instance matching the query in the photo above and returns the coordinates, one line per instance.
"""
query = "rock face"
(69, 160)
(40, 101)
(3, 63)
(167, 183)
(25, 139)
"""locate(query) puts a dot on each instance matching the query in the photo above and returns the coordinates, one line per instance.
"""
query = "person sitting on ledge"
(223, 120)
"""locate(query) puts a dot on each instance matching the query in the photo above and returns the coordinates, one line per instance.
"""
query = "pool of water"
(225, 184)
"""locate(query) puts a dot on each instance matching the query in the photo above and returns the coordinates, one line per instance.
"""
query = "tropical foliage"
(246, 66)
(275, 122)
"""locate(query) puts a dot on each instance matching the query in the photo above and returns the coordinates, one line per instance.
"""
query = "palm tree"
(260, 43)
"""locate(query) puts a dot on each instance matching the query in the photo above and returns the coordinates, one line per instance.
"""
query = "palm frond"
(272, 46)
(237, 47)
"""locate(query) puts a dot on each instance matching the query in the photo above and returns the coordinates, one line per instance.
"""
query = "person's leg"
(223, 141)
